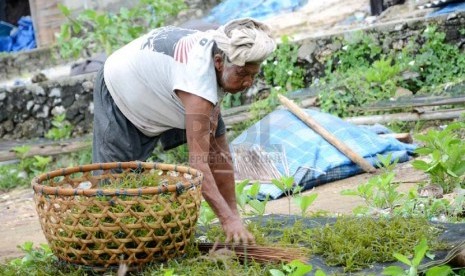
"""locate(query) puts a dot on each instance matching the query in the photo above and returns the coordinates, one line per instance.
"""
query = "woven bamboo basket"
(88, 221)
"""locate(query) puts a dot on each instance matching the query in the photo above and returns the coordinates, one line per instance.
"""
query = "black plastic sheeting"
(453, 233)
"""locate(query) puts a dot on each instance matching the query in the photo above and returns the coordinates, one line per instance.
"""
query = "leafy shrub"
(361, 73)
(281, 68)
(446, 152)
(93, 32)
(437, 62)
(61, 129)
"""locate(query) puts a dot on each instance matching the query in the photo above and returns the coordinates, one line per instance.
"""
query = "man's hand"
(236, 232)
(218, 191)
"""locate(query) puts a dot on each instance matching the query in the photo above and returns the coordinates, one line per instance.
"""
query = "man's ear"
(219, 63)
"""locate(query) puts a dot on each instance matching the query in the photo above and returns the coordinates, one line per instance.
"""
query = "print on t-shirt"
(174, 42)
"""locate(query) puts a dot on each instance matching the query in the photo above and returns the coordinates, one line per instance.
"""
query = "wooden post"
(328, 136)
(47, 20)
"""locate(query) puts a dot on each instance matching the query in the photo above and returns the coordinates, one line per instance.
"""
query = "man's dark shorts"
(116, 139)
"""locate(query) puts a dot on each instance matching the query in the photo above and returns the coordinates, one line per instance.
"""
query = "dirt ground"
(20, 222)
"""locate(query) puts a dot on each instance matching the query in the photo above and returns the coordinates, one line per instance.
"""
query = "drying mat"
(256, 163)
(454, 233)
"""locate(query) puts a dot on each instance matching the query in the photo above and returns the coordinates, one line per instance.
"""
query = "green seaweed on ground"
(357, 242)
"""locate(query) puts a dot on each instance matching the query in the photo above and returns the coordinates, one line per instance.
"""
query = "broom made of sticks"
(257, 253)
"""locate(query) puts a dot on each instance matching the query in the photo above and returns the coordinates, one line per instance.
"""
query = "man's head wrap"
(245, 41)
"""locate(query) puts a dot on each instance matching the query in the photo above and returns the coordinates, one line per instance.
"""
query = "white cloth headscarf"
(245, 40)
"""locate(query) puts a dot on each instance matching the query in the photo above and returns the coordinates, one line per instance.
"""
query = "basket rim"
(60, 191)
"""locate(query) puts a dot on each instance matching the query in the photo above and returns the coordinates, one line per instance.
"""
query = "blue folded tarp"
(260, 10)
(309, 157)
(449, 8)
(6, 41)
(20, 38)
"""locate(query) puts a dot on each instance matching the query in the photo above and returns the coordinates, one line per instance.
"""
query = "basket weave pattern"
(88, 224)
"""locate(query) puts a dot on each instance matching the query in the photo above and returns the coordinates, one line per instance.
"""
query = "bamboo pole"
(48, 150)
(328, 136)
(410, 103)
(447, 114)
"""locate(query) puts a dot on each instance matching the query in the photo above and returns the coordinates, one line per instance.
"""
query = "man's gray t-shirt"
(143, 75)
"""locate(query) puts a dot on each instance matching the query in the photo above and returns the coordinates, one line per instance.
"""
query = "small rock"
(55, 92)
(402, 92)
(39, 77)
(400, 27)
(451, 16)
(434, 191)
(85, 185)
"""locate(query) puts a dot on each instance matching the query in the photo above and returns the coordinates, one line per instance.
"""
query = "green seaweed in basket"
(131, 179)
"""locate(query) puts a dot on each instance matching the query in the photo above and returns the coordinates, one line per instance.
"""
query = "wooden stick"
(446, 114)
(402, 137)
(328, 136)
(258, 253)
(48, 150)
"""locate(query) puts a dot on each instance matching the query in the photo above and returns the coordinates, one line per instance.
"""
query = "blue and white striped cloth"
(310, 158)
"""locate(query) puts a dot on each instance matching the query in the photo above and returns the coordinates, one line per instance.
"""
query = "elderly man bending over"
(166, 87)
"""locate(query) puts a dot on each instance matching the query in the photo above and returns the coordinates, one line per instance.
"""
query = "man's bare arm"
(223, 171)
(198, 130)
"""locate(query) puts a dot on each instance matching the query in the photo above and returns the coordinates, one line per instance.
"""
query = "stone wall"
(27, 111)
(390, 36)
(13, 65)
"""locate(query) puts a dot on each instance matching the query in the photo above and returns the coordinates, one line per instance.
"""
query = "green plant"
(380, 192)
(31, 165)
(360, 49)
(241, 195)
(206, 215)
(294, 268)
(231, 100)
(345, 91)
(420, 251)
(40, 163)
(283, 73)
(446, 150)
(437, 62)
(258, 206)
(249, 197)
(11, 177)
(22, 151)
(399, 126)
(286, 185)
(34, 260)
(61, 129)
(362, 73)
(93, 32)
(281, 68)
(25, 162)
(19, 175)
(304, 202)
(169, 272)
(293, 193)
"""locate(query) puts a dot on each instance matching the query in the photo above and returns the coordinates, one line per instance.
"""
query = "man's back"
(143, 75)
